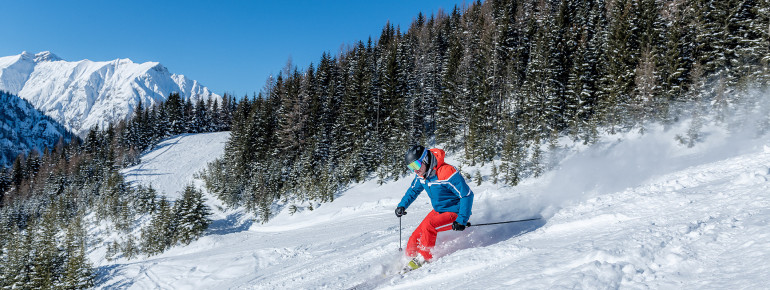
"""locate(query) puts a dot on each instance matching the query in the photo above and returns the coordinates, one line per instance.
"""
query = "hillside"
(82, 94)
(645, 212)
(23, 128)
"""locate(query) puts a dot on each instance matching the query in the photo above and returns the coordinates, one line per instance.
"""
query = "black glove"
(400, 211)
(459, 227)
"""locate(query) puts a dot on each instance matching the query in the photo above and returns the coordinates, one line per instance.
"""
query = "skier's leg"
(435, 223)
(444, 221)
(415, 239)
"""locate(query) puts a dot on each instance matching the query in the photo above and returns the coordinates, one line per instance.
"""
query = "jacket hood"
(436, 161)
(439, 155)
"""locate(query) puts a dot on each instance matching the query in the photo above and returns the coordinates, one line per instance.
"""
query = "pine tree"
(174, 115)
(33, 163)
(748, 32)
(159, 235)
(17, 271)
(188, 116)
(350, 123)
(200, 118)
(132, 135)
(759, 44)
(47, 260)
(452, 100)
(130, 249)
(618, 66)
(5, 184)
(495, 174)
(699, 108)
(291, 114)
(677, 53)
(19, 174)
(478, 67)
(582, 84)
(400, 111)
(192, 214)
(538, 89)
(646, 91)
(77, 270)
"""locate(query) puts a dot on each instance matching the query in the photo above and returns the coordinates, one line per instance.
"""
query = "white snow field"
(171, 165)
(645, 212)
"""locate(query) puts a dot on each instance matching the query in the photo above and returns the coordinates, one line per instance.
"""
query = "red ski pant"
(423, 238)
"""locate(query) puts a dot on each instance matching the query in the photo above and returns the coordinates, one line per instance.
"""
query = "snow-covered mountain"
(632, 211)
(23, 128)
(86, 93)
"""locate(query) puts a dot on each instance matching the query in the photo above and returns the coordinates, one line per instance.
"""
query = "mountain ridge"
(85, 93)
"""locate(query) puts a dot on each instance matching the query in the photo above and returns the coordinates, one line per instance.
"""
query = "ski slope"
(645, 212)
(171, 165)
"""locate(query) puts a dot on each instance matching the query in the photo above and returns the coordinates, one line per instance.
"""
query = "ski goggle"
(415, 165)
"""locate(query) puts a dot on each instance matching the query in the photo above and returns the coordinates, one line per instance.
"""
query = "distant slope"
(645, 212)
(171, 165)
(85, 93)
(23, 128)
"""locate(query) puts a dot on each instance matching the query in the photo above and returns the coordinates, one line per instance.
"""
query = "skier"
(450, 197)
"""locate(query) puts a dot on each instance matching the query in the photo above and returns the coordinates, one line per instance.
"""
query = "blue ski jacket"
(446, 188)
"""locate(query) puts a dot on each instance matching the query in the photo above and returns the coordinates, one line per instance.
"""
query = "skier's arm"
(466, 197)
(411, 194)
(465, 209)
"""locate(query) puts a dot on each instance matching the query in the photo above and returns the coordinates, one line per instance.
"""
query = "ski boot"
(413, 264)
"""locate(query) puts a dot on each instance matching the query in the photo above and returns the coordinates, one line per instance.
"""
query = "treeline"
(150, 125)
(47, 200)
(499, 79)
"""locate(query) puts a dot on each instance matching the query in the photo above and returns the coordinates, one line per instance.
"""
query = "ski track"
(704, 226)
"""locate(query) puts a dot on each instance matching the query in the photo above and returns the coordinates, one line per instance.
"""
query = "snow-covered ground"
(171, 165)
(645, 212)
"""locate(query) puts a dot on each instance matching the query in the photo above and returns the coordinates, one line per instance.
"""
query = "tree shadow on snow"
(105, 274)
(143, 172)
(482, 236)
(233, 223)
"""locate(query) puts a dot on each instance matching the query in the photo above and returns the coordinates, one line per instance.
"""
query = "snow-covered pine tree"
(452, 99)
(16, 272)
(47, 259)
(617, 75)
(192, 214)
(175, 109)
(78, 272)
(159, 235)
(677, 55)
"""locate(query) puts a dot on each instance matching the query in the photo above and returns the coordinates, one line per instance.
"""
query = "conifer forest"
(501, 80)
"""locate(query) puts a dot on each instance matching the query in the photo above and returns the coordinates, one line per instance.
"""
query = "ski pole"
(399, 234)
(506, 222)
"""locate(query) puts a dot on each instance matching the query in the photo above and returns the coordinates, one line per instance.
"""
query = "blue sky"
(229, 46)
